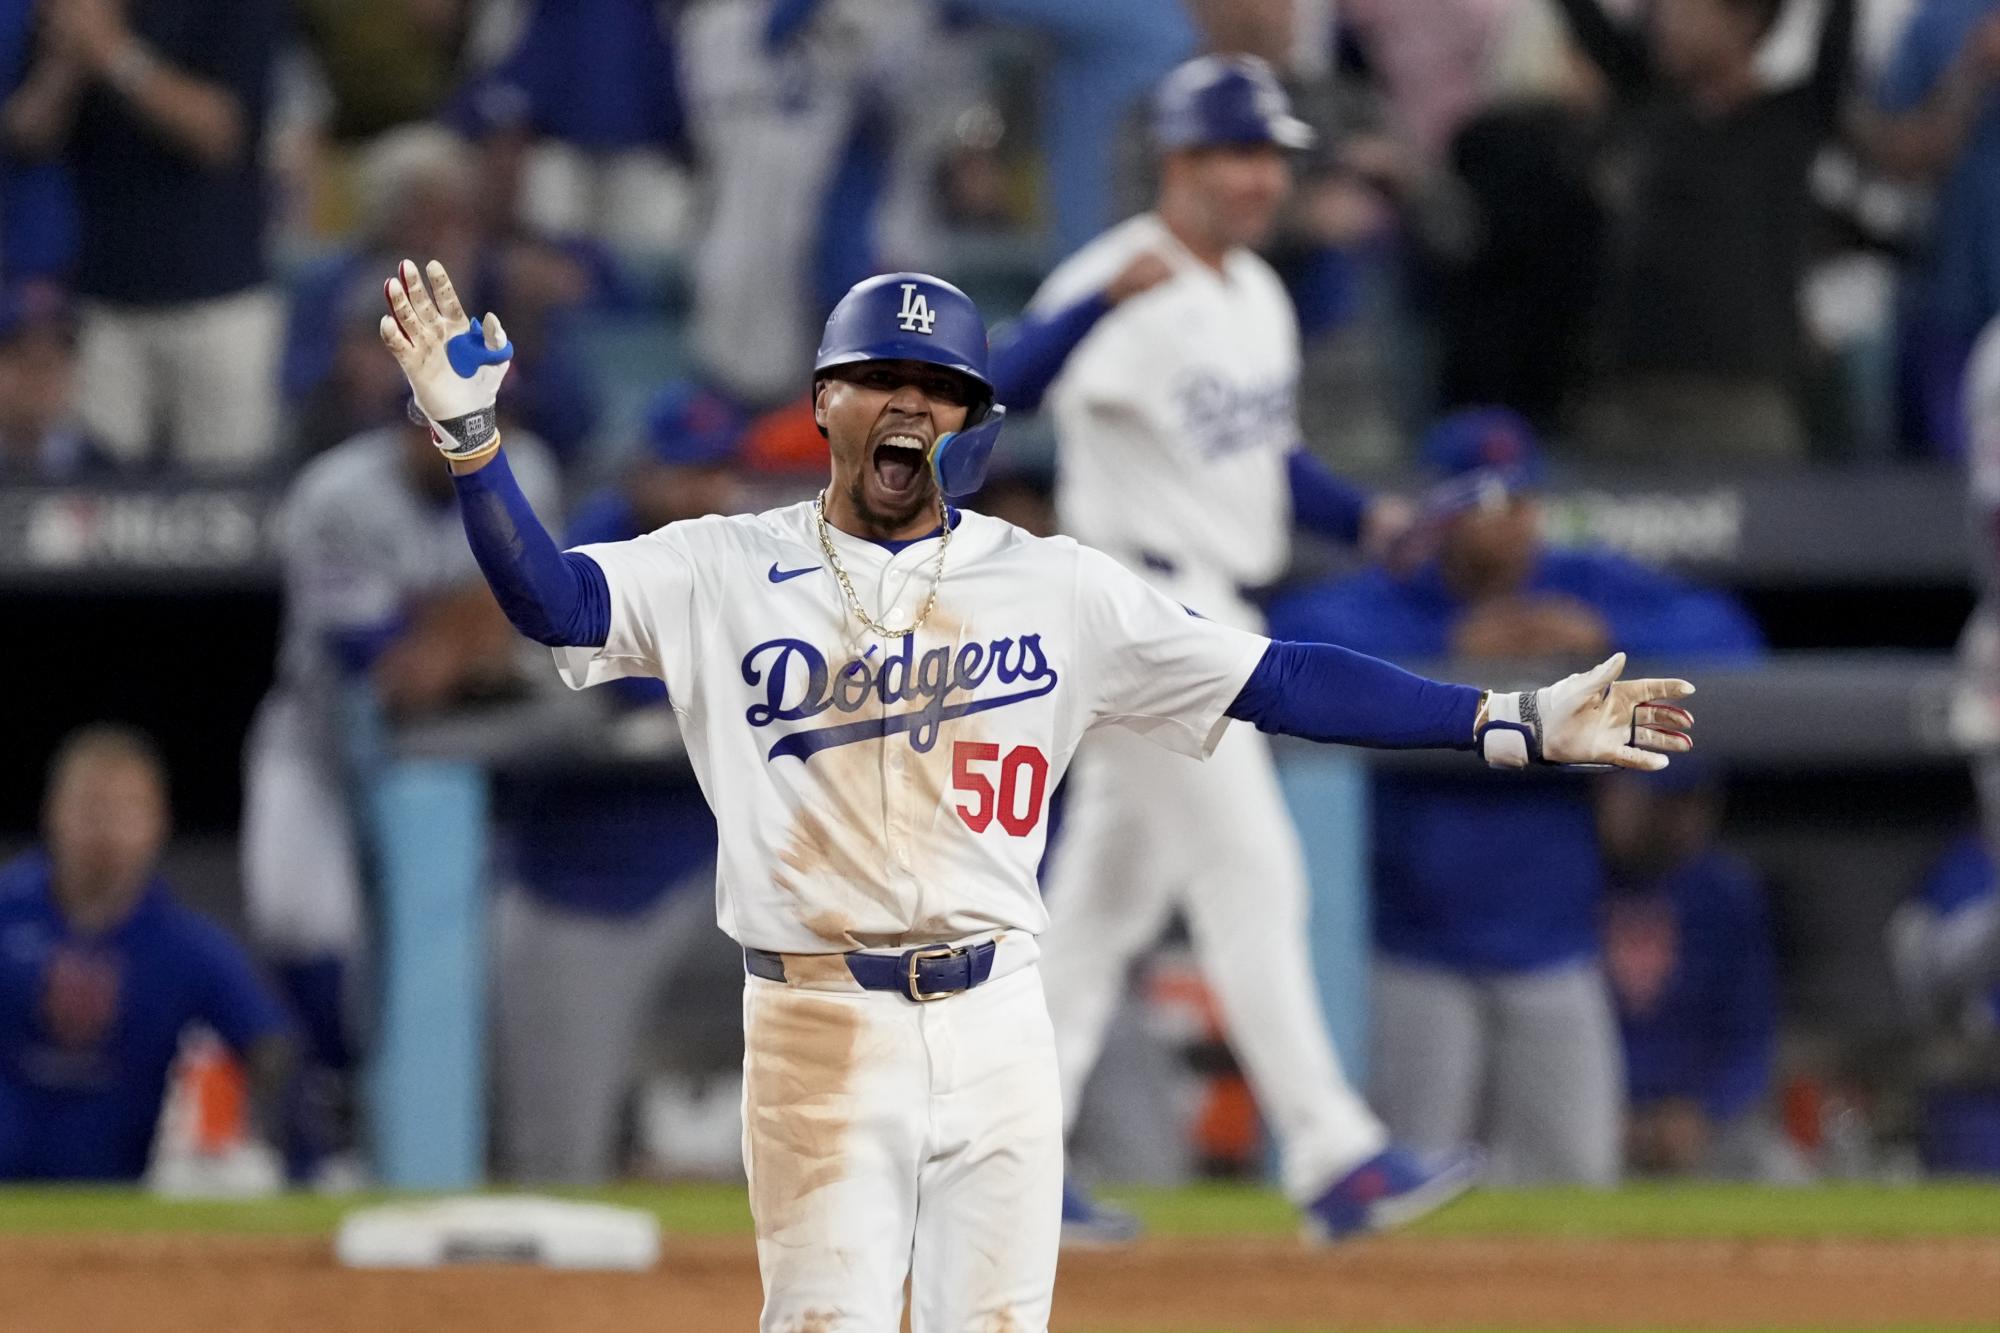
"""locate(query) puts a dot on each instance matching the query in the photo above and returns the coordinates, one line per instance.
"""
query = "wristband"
(462, 439)
(1510, 732)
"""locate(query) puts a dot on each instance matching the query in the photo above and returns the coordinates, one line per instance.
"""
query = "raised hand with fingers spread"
(454, 367)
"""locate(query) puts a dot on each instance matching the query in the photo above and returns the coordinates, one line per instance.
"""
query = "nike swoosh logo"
(780, 575)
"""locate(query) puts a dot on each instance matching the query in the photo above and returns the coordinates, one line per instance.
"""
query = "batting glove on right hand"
(1591, 719)
(453, 366)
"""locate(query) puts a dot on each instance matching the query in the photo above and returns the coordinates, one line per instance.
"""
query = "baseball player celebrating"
(1179, 453)
(878, 691)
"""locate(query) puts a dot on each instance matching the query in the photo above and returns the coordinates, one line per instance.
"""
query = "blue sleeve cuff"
(554, 597)
(1033, 353)
(1322, 503)
(1325, 693)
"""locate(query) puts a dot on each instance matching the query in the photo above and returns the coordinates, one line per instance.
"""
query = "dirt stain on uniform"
(798, 1107)
(837, 861)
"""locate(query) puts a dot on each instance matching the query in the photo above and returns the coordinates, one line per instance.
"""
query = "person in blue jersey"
(1491, 1016)
(101, 973)
(1688, 951)
(612, 869)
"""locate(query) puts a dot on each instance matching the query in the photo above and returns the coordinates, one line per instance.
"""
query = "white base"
(551, 1233)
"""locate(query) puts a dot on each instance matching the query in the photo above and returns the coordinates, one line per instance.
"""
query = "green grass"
(685, 1209)
(1700, 1211)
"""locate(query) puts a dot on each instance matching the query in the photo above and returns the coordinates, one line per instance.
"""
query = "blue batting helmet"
(1226, 99)
(908, 317)
(916, 317)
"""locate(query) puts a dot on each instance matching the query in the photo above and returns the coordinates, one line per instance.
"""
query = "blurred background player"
(102, 973)
(614, 870)
(1693, 972)
(379, 593)
(1491, 1017)
(1179, 454)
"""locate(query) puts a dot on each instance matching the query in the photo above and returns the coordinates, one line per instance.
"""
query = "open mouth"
(899, 464)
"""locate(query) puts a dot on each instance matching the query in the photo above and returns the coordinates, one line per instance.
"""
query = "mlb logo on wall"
(916, 315)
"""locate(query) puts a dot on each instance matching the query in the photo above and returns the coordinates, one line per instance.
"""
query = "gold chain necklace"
(854, 602)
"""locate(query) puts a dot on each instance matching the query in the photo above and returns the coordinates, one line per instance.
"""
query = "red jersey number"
(1013, 794)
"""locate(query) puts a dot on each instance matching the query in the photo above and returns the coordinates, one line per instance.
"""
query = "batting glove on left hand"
(1590, 719)
(454, 367)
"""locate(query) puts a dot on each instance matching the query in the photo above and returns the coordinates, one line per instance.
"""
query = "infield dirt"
(226, 1284)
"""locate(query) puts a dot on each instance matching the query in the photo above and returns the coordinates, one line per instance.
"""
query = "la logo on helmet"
(916, 315)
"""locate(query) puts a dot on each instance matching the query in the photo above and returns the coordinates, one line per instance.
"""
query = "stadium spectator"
(818, 146)
(1492, 1021)
(40, 439)
(1703, 337)
(1689, 954)
(582, 125)
(37, 206)
(101, 973)
(160, 112)
(1103, 58)
(380, 594)
(384, 63)
(614, 871)
(1936, 121)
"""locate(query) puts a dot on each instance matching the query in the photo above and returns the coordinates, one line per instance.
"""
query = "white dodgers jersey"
(1175, 414)
(876, 792)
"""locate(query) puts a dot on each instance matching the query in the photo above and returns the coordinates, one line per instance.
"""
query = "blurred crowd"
(1726, 231)
(1535, 234)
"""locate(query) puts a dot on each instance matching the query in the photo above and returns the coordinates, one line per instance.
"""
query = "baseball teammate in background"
(378, 589)
(878, 692)
(1179, 454)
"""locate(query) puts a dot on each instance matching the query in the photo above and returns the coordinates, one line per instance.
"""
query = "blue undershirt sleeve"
(1322, 503)
(1325, 693)
(1032, 353)
(554, 597)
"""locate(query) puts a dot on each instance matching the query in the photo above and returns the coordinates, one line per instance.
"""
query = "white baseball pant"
(886, 1139)
(1146, 831)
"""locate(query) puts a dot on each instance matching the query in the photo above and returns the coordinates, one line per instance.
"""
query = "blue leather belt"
(920, 974)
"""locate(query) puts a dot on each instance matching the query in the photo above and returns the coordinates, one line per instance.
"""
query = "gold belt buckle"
(910, 961)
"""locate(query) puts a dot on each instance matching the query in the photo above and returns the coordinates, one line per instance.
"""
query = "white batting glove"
(1591, 719)
(453, 367)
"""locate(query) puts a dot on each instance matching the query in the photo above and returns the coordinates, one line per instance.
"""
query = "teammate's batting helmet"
(1226, 99)
(916, 317)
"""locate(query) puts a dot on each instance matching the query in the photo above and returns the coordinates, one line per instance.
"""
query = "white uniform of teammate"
(361, 545)
(1174, 417)
(883, 794)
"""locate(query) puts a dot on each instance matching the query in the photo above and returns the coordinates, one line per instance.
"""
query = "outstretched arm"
(1325, 693)
(454, 370)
